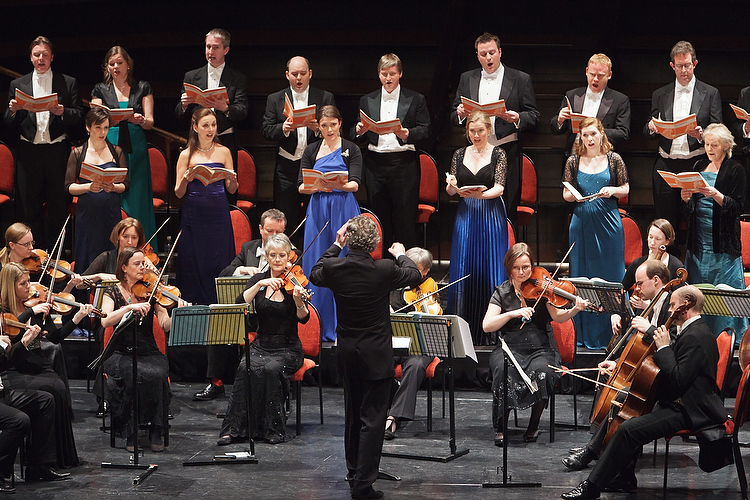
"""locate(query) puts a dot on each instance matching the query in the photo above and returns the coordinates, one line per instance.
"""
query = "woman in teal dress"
(328, 201)
(120, 90)
(714, 249)
(596, 228)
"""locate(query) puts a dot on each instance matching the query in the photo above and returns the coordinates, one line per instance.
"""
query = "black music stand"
(212, 325)
(608, 295)
(440, 336)
(128, 319)
(721, 301)
(486, 483)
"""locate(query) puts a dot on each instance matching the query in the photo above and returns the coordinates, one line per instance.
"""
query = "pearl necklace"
(206, 150)
(477, 152)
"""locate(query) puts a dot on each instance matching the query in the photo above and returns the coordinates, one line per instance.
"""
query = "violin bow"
(164, 267)
(431, 294)
(546, 284)
(155, 233)
(60, 239)
(286, 273)
(595, 382)
(529, 383)
(298, 226)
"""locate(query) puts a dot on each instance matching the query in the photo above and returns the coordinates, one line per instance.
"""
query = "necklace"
(121, 88)
(477, 152)
(205, 150)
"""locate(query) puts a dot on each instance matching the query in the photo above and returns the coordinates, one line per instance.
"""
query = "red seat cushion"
(524, 215)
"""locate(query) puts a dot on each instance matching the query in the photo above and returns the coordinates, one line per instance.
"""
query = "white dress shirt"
(262, 262)
(591, 102)
(214, 76)
(683, 98)
(299, 100)
(490, 85)
(41, 85)
(388, 143)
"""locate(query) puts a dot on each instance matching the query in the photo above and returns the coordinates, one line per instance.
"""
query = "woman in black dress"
(275, 354)
(36, 372)
(532, 344)
(153, 368)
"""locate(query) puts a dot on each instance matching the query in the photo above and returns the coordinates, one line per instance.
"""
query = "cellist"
(413, 367)
(687, 395)
(650, 278)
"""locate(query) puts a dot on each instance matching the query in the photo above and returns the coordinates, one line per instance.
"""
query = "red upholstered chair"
(159, 177)
(624, 202)
(7, 174)
(725, 343)
(429, 375)
(428, 191)
(309, 335)
(565, 338)
(528, 205)
(745, 240)
(633, 240)
(240, 227)
(731, 429)
(511, 234)
(377, 254)
(247, 178)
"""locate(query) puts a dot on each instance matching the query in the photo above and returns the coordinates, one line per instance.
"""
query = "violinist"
(412, 367)
(128, 232)
(24, 411)
(275, 353)
(38, 371)
(650, 278)
(687, 397)
(528, 333)
(153, 368)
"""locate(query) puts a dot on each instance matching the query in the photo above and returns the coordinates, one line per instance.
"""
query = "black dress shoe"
(623, 482)
(224, 440)
(103, 409)
(5, 486)
(44, 474)
(367, 495)
(584, 491)
(499, 439)
(578, 461)
(210, 392)
(390, 429)
(530, 438)
(576, 449)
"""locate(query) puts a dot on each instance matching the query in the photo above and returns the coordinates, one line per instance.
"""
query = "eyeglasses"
(30, 244)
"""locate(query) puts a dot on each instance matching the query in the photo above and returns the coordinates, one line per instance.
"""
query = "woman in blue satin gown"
(206, 245)
(121, 90)
(98, 206)
(596, 231)
(329, 201)
(480, 232)
(714, 248)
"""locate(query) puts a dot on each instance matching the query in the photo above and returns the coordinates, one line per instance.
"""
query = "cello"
(632, 356)
(643, 388)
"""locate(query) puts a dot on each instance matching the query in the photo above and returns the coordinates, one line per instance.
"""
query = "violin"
(148, 252)
(642, 395)
(424, 297)
(10, 324)
(294, 276)
(558, 293)
(39, 259)
(62, 303)
(166, 295)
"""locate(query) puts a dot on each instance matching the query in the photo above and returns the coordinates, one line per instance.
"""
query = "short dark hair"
(486, 37)
(97, 115)
(222, 34)
(41, 40)
(682, 47)
(655, 267)
(273, 214)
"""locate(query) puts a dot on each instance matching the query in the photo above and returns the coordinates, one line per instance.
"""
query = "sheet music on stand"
(403, 325)
(101, 286)
(725, 301)
(228, 288)
(209, 325)
(609, 295)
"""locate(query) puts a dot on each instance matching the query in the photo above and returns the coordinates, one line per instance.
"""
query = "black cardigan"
(730, 181)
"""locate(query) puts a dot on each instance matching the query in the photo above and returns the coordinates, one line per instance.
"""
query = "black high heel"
(391, 424)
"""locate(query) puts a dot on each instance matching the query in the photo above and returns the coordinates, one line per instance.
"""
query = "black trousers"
(222, 362)
(286, 197)
(22, 411)
(666, 199)
(40, 175)
(513, 178)
(366, 408)
(393, 189)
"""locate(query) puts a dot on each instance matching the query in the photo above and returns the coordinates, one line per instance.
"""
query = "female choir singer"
(206, 246)
(153, 368)
(36, 371)
(120, 90)
(275, 353)
(528, 333)
(714, 250)
(596, 228)
(660, 233)
(98, 207)
(480, 232)
(329, 200)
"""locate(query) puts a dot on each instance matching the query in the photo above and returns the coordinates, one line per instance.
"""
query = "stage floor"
(312, 466)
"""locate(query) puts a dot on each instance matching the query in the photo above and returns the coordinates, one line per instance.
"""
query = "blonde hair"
(721, 132)
(10, 273)
(13, 234)
(478, 116)
(606, 146)
(600, 59)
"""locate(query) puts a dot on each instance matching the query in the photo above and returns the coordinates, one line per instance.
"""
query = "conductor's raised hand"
(397, 249)
(341, 235)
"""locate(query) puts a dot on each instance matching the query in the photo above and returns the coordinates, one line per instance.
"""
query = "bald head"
(298, 73)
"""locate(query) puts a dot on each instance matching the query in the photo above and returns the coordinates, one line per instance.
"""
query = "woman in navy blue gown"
(98, 206)
(596, 228)
(480, 232)
(207, 242)
(328, 201)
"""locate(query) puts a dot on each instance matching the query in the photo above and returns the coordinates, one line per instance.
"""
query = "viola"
(424, 297)
(39, 259)
(165, 295)
(643, 394)
(10, 325)
(294, 276)
(558, 293)
(62, 303)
